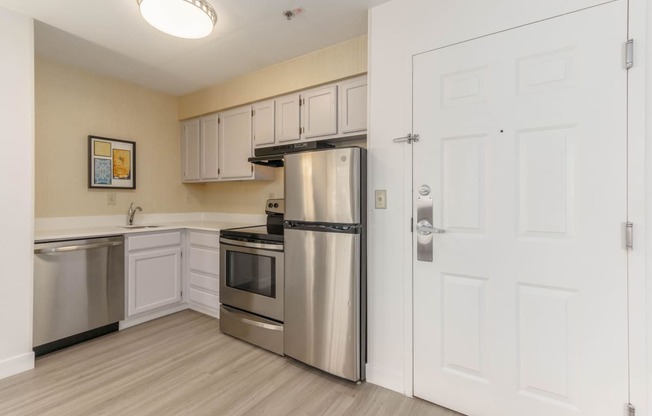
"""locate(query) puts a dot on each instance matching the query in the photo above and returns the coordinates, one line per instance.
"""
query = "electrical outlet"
(111, 198)
(380, 198)
(188, 198)
(271, 195)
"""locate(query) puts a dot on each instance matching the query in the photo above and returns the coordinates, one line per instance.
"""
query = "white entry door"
(523, 309)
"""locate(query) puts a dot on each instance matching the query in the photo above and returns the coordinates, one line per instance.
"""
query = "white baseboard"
(148, 316)
(383, 377)
(215, 313)
(15, 365)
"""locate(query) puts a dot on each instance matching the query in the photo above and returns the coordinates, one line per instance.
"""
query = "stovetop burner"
(254, 234)
(271, 232)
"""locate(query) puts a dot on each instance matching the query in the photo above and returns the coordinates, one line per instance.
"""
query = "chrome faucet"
(130, 214)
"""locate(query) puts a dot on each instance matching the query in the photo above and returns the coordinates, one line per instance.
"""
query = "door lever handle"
(425, 228)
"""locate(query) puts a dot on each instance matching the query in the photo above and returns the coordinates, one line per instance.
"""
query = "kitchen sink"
(135, 227)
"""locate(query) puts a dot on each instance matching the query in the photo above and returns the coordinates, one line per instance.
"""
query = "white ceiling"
(111, 38)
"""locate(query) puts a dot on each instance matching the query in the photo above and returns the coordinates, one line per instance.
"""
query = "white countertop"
(50, 229)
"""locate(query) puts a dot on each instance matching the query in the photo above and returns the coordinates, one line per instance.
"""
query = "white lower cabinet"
(153, 273)
(202, 271)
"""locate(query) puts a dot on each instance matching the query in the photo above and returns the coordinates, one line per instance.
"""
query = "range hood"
(273, 156)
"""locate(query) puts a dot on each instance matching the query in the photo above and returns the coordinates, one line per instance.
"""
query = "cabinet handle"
(76, 248)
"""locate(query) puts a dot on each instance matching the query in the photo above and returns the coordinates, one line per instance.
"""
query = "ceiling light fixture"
(189, 19)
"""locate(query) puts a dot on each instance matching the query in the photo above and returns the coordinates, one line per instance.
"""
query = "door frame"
(638, 188)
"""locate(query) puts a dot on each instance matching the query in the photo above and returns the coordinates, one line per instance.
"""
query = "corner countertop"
(53, 229)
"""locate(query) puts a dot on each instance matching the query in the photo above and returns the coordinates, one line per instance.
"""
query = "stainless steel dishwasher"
(79, 291)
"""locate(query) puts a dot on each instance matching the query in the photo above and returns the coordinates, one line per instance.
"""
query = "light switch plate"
(111, 198)
(380, 196)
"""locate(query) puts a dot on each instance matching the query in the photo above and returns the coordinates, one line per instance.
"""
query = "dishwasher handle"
(65, 249)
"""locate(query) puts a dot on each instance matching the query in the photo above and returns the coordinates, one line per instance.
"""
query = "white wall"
(17, 190)
(398, 29)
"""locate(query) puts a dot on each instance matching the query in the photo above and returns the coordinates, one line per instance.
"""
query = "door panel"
(522, 310)
(323, 186)
(319, 112)
(209, 147)
(235, 143)
(322, 322)
(288, 121)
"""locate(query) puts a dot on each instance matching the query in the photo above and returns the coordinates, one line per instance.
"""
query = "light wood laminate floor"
(183, 365)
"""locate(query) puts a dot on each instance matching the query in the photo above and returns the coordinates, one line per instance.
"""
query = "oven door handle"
(277, 247)
(241, 318)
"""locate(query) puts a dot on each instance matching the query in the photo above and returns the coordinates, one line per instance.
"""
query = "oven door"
(251, 277)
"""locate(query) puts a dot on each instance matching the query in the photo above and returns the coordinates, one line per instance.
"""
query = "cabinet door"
(190, 150)
(154, 279)
(353, 105)
(263, 123)
(203, 270)
(319, 112)
(288, 121)
(209, 147)
(235, 144)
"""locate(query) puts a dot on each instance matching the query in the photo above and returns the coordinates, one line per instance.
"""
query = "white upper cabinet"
(288, 122)
(236, 147)
(209, 147)
(352, 106)
(263, 123)
(190, 150)
(236, 144)
(199, 149)
(216, 147)
(319, 112)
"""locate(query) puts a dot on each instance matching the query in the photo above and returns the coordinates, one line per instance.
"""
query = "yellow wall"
(342, 60)
(71, 104)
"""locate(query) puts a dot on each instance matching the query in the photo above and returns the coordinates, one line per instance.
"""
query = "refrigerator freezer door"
(323, 186)
(322, 306)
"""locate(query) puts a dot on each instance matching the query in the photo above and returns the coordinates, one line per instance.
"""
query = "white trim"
(18, 364)
(408, 289)
(383, 377)
(640, 187)
(148, 316)
(215, 313)
(637, 160)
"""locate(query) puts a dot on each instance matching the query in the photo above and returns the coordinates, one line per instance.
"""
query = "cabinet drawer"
(140, 242)
(205, 260)
(205, 299)
(205, 239)
(208, 283)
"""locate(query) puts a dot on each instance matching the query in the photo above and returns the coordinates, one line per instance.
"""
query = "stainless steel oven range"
(252, 281)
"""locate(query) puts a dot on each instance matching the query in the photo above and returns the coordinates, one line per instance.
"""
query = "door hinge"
(252, 113)
(299, 102)
(629, 53)
(631, 410)
(218, 171)
(409, 138)
(252, 168)
(412, 224)
(219, 120)
(629, 236)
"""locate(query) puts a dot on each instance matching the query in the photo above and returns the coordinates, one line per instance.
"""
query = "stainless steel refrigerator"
(325, 261)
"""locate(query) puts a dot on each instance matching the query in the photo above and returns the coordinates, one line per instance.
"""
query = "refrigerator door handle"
(328, 228)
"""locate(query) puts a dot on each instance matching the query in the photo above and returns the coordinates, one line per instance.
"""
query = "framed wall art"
(111, 163)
